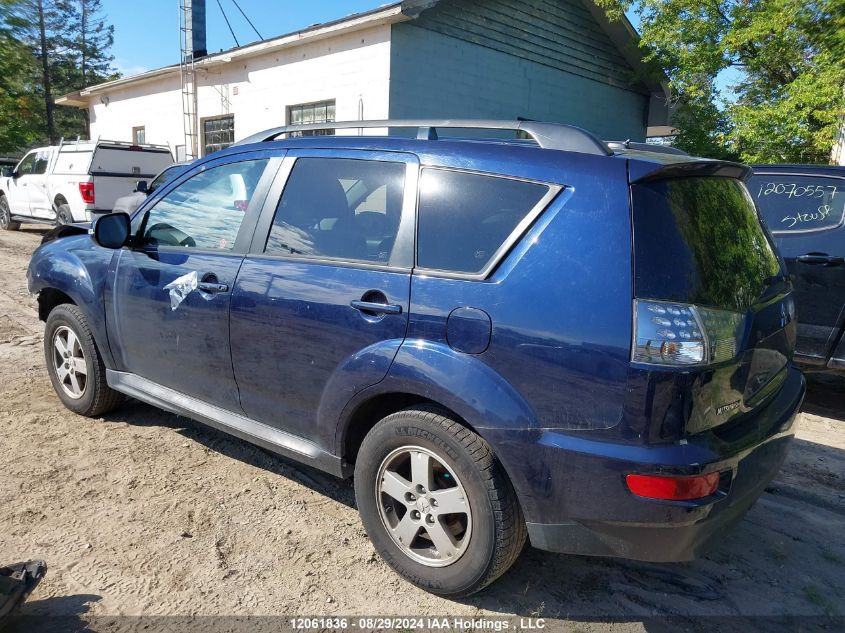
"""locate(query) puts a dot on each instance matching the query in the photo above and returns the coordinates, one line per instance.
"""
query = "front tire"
(74, 363)
(436, 503)
(6, 223)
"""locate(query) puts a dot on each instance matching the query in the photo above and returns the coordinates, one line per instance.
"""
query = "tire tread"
(510, 530)
(105, 398)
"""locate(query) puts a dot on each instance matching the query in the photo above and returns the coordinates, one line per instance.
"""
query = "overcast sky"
(146, 34)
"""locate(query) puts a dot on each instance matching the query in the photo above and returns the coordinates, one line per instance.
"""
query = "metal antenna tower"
(188, 22)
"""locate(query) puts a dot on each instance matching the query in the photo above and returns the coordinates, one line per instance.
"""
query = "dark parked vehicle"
(804, 207)
(130, 202)
(499, 339)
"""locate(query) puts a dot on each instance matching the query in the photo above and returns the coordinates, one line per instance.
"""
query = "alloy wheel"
(5, 214)
(69, 362)
(423, 506)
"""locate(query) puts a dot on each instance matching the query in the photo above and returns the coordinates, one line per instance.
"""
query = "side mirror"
(112, 230)
(16, 174)
(142, 187)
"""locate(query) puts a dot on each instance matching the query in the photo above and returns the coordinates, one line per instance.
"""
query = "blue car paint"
(337, 352)
(552, 389)
(79, 268)
(165, 345)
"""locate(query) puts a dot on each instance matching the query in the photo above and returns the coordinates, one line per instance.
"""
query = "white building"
(554, 60)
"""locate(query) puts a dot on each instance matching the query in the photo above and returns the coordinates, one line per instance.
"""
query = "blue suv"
(531, 336)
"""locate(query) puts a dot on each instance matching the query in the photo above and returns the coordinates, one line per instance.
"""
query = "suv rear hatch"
(713, 312)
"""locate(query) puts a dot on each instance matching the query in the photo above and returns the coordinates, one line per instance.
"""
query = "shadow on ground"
(138, 414)
(826, 396)
(781, 568)
(59, 614)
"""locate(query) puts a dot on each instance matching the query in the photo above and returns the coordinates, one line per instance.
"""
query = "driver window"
(205, 211)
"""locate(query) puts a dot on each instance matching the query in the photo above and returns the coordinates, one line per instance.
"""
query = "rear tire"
(63, 215)
(6, 222)
(455, 469)
(74, 363)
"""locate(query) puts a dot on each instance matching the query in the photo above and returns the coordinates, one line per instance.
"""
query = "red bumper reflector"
(673, 488)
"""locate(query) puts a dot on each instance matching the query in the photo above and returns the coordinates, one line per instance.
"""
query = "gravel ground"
(144, 513)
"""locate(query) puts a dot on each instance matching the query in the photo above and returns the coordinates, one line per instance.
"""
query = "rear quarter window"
(793, 205)
(466, 218)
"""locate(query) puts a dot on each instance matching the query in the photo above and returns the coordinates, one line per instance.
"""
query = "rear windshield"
(793, 204)
(699, 240)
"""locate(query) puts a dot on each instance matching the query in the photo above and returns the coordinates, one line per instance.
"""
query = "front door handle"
(212, 288)
(371, 308)
(820, 259)
(210, 284)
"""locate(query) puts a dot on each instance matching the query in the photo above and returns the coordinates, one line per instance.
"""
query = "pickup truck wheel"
(6, 216)
(436, 503)
(63, 215)
(74, 363)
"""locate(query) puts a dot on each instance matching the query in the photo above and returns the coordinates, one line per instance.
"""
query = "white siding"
(156, 105)
(351, 69)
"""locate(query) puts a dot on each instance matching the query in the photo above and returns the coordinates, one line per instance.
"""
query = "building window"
(217, 133)
(305, 114)
(139, 135)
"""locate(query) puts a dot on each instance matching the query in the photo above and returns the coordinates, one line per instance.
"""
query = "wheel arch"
(371, 411)
(424, 372)
(61, 275)
(48, 299)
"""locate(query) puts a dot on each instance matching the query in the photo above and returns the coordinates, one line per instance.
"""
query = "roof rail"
(646, 147)
(547, 135)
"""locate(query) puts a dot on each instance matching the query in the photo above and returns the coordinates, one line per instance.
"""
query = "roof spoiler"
(647, 171)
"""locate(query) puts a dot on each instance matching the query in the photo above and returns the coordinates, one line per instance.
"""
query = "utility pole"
(45, 68)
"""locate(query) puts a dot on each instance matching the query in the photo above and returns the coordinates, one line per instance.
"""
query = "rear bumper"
(576, 501)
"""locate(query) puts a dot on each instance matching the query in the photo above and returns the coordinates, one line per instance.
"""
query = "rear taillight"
(667, 333)
(86, 190)
(673, 488)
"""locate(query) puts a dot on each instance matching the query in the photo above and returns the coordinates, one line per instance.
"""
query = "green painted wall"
(539, 59)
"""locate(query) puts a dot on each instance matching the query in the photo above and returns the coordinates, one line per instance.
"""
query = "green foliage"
(78, 40)
(21, 119)
(790, 101)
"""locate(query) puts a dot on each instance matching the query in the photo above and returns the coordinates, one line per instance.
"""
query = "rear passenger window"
(799, 204)
(337, 208)
(464, 218)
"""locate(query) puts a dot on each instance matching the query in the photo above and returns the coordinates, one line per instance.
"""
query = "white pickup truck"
(74, 182)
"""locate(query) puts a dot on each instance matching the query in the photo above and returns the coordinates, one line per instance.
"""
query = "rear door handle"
(820, 259)
(369, 307)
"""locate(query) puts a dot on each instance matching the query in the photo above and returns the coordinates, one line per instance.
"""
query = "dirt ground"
(146, 513)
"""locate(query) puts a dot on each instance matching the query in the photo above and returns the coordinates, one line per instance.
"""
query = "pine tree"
(21, 116)
(71, 41)
(89, 38)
